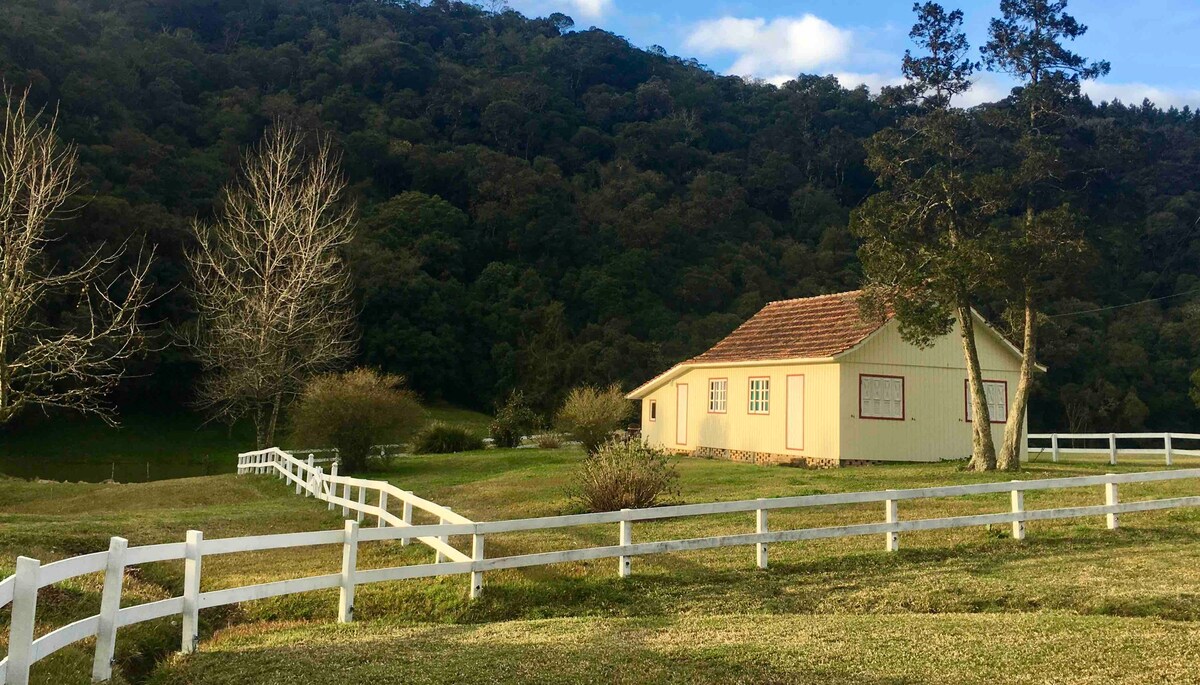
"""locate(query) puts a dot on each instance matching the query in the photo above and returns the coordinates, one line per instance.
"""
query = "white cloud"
(577, 9)
(769, 49)
(591, 9)
(873, 82)
(985, 88)
(1134, 93)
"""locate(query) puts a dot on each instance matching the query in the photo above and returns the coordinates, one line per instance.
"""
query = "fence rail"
(1112, 447)
(21, 589)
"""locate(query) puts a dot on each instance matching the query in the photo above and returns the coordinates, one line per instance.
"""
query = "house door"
(681, 417)
(795, 413)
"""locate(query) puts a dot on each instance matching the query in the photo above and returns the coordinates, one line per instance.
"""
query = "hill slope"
(543, 206)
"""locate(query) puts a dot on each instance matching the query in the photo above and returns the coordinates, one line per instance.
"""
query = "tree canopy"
(542, 207)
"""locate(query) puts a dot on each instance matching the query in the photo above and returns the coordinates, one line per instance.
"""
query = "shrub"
(623, 474)
(513, 420)
(591, 415)
(443, 438)
(352, 411)
(549, 440)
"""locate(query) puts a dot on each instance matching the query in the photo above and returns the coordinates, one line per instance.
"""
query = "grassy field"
(835, 610)
(476, 422)
(146, 446)
(764, 650)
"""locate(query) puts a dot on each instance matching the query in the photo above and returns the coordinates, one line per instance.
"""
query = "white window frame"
(653, 410)
(996, 392)
(871, 401)
(718, 395)
(759, 395)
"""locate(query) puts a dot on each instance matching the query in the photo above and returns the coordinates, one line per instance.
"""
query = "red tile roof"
(805, 328)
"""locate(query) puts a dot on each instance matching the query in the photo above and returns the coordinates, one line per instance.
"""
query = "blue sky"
(1152, 44)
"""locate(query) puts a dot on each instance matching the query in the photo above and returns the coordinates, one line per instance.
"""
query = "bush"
(352, 411)
(442, 438)
(591, 415)
(624, 474)
(513, 420)
(549, 440)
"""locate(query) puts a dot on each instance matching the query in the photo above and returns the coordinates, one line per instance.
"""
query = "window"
(996, 393)
(718, 393)
(881, 397)
(653, 410)
(760, 396)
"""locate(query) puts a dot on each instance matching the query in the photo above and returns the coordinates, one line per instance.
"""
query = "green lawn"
(476, 422)
(820, 612)
(817, 650)
(146, 446)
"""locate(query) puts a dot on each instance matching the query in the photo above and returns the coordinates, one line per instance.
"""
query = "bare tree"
(74, 361)
(272, 292)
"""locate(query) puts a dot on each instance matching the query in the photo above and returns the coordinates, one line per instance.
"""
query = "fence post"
(349, 570)
(1054, 447)
(1018, 507)
(382, 509)
(625, 539)
(309, 473)
(362, 502)
(191, 591)
(760, 526)
(346, 496)
(1167, 447)
(407, 518)
(1110, 499)
(1112, 449)
(315, 481)
(477, 556)
(332, 486)
(439, 557)
(20, 631)
(110, 604)
(892, 515)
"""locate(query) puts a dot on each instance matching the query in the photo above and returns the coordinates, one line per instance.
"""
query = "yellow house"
(809, 382)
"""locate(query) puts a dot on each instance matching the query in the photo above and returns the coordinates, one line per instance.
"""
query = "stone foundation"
(765, 458)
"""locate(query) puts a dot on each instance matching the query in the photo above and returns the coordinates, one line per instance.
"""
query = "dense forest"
(541, 206)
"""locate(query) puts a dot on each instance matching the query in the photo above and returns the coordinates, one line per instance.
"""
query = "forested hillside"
(542, 206)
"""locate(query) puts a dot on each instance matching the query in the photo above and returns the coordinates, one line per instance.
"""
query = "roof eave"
(1005, 341)
(679, 369)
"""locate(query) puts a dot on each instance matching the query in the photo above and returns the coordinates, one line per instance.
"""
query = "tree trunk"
(1014, 432)
(983, 449)
(275, 402)
(260, 427)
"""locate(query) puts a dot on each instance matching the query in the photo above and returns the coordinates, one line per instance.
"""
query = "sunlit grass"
(1065, 568)
(905, 648)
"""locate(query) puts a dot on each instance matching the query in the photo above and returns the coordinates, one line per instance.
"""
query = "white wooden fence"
(373, 496)
(1112, 447)
(21, 589)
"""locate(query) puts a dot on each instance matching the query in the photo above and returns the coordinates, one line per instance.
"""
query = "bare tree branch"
(272, 291)
(71, 366)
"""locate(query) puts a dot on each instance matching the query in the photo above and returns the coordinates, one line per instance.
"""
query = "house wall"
(737, 429)
(934, 426)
